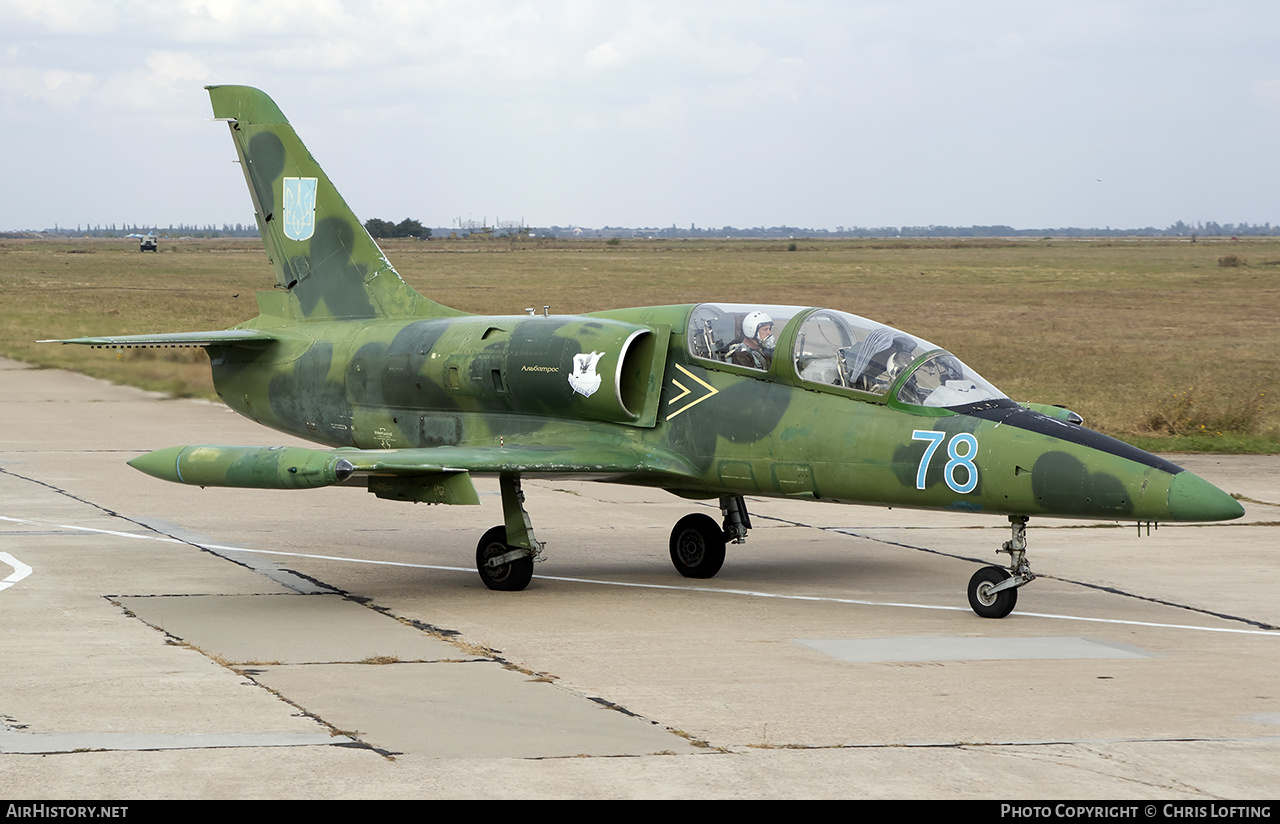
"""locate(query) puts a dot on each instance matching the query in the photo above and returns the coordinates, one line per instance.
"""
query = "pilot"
(756, 347)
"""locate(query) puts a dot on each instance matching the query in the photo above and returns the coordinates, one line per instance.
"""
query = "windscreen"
(942, 380)
(839, 349)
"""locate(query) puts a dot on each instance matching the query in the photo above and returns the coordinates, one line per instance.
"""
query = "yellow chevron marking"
(711, 390)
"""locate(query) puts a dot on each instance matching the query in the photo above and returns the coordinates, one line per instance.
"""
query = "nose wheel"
(984, 597)
(993, 590)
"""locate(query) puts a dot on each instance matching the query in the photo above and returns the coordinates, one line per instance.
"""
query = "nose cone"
(1192, 498)
(162, 463)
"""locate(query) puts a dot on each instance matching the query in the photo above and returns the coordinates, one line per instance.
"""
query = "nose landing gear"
(993, 590)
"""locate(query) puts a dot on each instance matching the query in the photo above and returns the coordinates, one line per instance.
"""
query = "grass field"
(1169, 344)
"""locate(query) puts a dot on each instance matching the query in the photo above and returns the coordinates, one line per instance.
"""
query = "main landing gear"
(505, 555)
(698, 542)
(993, 590)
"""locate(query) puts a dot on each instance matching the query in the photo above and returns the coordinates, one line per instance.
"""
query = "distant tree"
(379, 228)
(411, 228)
(405, 228)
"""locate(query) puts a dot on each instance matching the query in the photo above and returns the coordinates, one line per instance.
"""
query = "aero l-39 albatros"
(707, 401)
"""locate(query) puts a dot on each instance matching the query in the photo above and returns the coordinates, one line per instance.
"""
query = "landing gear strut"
(505, 555)
(993, 590)
(698, 542)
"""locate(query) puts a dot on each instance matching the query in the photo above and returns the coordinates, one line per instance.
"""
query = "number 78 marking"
(935, 440)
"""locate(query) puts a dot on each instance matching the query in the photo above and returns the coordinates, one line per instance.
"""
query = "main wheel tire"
(697, 546)
(512, 576)
(990, 604)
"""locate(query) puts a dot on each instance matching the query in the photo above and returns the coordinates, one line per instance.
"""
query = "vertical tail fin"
(319, 249)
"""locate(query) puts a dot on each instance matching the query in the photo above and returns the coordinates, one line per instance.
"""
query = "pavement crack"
(105, 510)
(178, 538)
(1165, 786)
(996, 746)
(111, 512)
(1246, 499)
(1153, 600)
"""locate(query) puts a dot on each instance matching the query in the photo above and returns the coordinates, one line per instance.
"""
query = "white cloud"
(64, 88)
(604, 56)
(917, 93)
(655, 113)
(1267, 93)
(585, 122)
(61, 16)
(169, 66)
(221, 20)
(57, 88)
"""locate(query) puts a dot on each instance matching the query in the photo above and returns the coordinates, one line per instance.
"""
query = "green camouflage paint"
(414, 396)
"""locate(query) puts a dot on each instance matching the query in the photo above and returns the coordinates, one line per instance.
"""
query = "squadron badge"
(584, 379)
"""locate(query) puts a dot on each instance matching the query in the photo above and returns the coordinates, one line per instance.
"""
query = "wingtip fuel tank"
(250, 467)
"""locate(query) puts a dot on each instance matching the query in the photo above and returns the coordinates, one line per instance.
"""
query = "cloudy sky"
(744, 113)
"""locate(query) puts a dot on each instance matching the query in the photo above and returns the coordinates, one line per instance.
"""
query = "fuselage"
(645, 379)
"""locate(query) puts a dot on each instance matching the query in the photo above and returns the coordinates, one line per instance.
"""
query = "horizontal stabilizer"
(168, 340)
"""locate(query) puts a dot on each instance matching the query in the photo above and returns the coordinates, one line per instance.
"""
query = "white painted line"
(857, 602)
(162, 538)
(928, 648)
(673, 587)
(20, 570)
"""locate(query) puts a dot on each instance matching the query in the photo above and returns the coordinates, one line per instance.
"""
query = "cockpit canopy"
(742, 334)
(833, 348)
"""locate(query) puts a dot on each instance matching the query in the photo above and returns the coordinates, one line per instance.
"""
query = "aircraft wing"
(439, 474)
(234, 337)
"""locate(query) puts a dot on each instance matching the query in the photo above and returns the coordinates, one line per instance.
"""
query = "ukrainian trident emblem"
(299, 207)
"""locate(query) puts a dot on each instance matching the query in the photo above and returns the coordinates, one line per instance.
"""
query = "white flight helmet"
(752, 323)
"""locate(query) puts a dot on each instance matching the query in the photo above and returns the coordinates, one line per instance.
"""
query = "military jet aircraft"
(708, 401)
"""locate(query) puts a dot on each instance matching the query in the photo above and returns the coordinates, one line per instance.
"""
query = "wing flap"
(591, 461)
